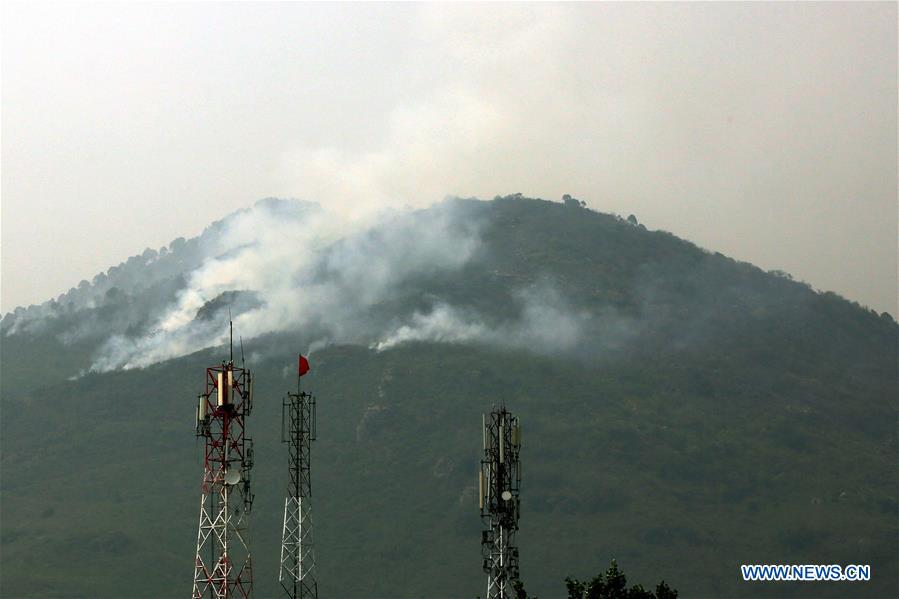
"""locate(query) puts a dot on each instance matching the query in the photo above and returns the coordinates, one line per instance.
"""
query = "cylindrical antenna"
(481, 488)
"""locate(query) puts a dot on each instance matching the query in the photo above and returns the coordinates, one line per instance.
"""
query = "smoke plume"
(546, 324)
(307, 269)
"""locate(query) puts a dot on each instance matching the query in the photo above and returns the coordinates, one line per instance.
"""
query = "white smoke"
(474, 133)
(546, 324)
(442, 324)
(311, 269)
(317, 345)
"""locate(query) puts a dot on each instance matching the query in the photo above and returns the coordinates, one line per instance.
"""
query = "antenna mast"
(499, 481)
(297, 556)
(223, 567)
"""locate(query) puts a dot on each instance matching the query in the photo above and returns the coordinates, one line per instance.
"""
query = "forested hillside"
(683, 412)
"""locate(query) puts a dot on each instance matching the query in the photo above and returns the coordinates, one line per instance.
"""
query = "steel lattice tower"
(498, 482)
(297, 555)
(223, 566)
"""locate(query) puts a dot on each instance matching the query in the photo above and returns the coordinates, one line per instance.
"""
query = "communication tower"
(298, 431)
(224, 566)
(498, 485)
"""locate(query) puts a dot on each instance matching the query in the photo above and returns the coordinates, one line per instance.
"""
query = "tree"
(781, 274)
(518, 589)
(177, 244)
(573, 202)
(613, 585)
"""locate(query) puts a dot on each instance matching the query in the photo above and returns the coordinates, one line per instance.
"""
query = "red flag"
(304, 365)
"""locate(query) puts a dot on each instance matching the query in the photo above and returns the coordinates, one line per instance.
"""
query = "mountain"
(683, 413)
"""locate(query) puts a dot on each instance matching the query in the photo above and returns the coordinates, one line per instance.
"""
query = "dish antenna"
(232, 476)
(507, 495)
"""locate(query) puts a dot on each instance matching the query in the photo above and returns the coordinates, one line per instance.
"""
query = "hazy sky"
(764, 131)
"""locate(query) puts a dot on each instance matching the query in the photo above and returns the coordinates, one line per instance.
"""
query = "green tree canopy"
(613, 585)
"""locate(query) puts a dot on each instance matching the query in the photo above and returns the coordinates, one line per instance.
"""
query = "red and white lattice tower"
(224, 566)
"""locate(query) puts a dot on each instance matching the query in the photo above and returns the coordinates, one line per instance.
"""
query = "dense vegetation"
(611, 584)
(724, 415)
